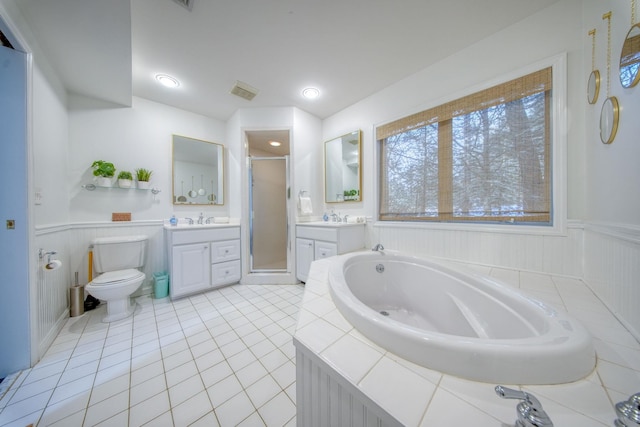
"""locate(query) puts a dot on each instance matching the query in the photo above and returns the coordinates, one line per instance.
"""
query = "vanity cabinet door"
(304, 258)
(191, 269)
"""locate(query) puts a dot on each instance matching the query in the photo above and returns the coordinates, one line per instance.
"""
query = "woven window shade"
(538, 81)
(490, 152)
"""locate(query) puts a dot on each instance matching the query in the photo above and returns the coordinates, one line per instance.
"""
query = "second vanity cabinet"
(202, 258)
(322, 240)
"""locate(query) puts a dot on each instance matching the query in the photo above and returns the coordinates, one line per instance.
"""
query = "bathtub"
(458, 322)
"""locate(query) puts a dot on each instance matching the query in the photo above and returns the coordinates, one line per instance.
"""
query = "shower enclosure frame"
(287, 196)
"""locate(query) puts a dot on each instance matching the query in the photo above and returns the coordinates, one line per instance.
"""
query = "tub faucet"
(378, 248)
(628, 412)
(530, 412)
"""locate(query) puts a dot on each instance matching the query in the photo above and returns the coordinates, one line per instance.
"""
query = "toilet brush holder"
(76, 299)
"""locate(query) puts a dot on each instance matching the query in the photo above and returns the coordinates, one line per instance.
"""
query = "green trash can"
(161, 284)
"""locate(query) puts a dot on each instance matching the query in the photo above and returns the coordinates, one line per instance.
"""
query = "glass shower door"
(268, 206)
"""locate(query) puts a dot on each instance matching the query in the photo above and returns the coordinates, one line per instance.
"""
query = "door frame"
(281, 278)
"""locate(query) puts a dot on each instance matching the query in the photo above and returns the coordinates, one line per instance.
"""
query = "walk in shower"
(268, 168)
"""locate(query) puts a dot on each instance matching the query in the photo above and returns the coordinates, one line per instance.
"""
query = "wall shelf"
(92, 187)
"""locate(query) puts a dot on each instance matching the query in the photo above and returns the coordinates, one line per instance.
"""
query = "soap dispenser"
(173, 221)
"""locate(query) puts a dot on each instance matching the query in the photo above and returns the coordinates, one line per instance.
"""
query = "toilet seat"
(117, 277)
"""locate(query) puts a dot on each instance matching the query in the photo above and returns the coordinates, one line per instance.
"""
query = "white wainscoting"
(612, 269)
(52, 287)
(553, 254)
(72, 244)
(325, 398)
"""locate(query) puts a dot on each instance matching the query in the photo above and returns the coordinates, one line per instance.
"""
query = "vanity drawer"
(225, 273)
(325, 250)
(225, 251)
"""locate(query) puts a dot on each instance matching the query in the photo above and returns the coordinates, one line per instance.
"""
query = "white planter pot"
(103, 181)
(143, 185)
(125, 183)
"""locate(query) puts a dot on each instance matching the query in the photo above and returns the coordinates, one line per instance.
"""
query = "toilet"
(117, 259)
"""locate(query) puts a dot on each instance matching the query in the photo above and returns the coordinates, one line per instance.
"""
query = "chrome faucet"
(200, 218)
(530, 412)
(628, 412)
(190, 220)
(208, 221)
(378, 248)
(334, 217)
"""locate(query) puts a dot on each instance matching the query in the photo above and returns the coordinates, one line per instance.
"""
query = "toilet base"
(118, 309)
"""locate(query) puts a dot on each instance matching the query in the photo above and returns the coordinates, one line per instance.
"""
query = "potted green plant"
(125, 179)
(103, 171)
(143, 176)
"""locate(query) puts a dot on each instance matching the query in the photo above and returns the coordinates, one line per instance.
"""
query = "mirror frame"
(634, 78)
(593, 87)
(342, 139)
(221, 175)
(609, 117)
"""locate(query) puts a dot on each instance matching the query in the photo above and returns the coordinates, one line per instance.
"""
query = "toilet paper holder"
(51, 264)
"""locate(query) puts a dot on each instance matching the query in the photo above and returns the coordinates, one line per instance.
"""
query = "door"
(14, 224)
(268, 228)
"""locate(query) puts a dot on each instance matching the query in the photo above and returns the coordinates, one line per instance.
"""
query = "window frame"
(558, 157)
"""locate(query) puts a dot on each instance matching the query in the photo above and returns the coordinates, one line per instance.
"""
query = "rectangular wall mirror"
(198, 172)
(343, 169)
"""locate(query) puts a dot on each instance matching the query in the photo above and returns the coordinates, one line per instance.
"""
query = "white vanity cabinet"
(322, 240)
(202, 258)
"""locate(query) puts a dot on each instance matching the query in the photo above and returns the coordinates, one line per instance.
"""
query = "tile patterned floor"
(222, 358)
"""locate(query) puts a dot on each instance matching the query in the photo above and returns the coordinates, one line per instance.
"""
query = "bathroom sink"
(328, 224)
(187, 226)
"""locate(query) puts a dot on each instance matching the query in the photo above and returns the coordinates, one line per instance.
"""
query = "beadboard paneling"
(324, 398)
(551, 254)
(612, 270)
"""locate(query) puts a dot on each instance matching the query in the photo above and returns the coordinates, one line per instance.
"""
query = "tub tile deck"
(448, 400)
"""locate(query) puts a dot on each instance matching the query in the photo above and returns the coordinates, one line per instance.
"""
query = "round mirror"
(630, 58)
(609, 120)
(593, 87)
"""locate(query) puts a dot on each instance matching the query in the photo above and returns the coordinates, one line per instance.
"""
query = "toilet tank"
(119, 253)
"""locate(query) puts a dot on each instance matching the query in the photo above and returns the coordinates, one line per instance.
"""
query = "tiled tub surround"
(339, 369)
(221, 358)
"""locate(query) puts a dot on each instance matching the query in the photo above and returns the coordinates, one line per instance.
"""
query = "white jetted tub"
(460, 323)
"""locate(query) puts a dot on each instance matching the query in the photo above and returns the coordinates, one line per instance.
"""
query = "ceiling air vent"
(244, 90)
(187, 4)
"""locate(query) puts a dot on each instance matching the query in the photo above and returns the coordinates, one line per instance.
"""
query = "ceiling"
(349, 50)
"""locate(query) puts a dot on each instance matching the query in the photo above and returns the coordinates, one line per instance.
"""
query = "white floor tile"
(263, 390)
(278, 411)
(107, 408)
(234, 410)
(192, 409)
(149, 409)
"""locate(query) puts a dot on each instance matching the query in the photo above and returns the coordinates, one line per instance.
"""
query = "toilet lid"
(117, 276)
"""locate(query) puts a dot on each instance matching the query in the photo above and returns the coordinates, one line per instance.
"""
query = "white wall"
(131, 138)
(613, 193)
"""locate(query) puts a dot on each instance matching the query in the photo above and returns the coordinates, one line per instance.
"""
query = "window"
(484, 157)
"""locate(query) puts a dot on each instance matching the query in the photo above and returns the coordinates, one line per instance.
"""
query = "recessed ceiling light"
(311, 93)
(275, 143)
(167, 80)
